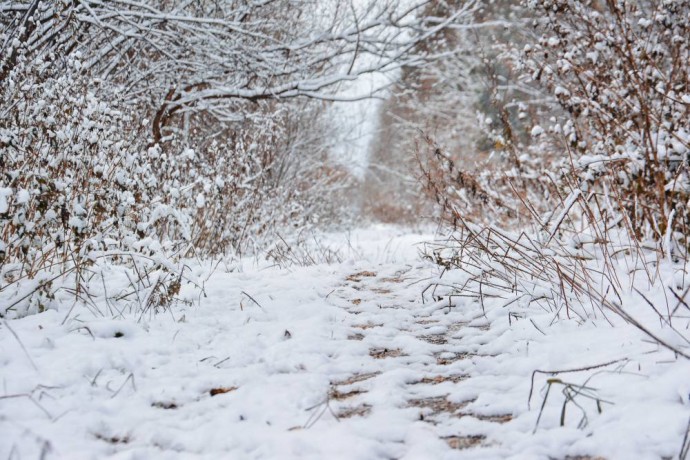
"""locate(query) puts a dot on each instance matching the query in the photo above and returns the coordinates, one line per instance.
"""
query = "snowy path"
(330, 361)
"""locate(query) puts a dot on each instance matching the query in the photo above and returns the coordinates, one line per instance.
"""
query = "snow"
(23, 196)
(537, 131)
(5, 193)
(351, 360)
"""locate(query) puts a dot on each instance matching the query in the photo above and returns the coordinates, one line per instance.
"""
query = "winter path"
(347, 360)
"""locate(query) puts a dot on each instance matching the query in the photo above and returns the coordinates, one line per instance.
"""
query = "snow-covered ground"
(345, 360)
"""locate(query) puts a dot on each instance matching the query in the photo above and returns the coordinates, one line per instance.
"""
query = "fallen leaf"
(221, 390)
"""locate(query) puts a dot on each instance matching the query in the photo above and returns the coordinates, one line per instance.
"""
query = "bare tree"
(205, 56)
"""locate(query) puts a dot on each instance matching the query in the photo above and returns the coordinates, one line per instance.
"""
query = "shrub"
(595, 191)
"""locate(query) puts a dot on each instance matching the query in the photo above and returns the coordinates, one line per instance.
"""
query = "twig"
(536, 327)
(685, 446)
(129, 377)
(33, 364)
(254, 300)
(566, 371)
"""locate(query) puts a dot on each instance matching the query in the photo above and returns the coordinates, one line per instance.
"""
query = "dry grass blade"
(685, 446)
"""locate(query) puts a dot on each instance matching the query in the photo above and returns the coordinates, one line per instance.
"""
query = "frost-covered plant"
(620, 70)
(593, 201)
(76, 184)
(269, 175)
(607, 115)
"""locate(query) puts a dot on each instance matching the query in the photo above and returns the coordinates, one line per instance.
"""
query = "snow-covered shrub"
(620, 73)
(86, 184)
(77, 184)
(608, 116)
(591, 203)
(267, 176)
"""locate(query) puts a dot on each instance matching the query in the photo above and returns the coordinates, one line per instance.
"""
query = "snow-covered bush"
(77, 184)
(620, 73)
(270, 175)
(611, 85)
(81, 182)
(136, 134)
(590, 200)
